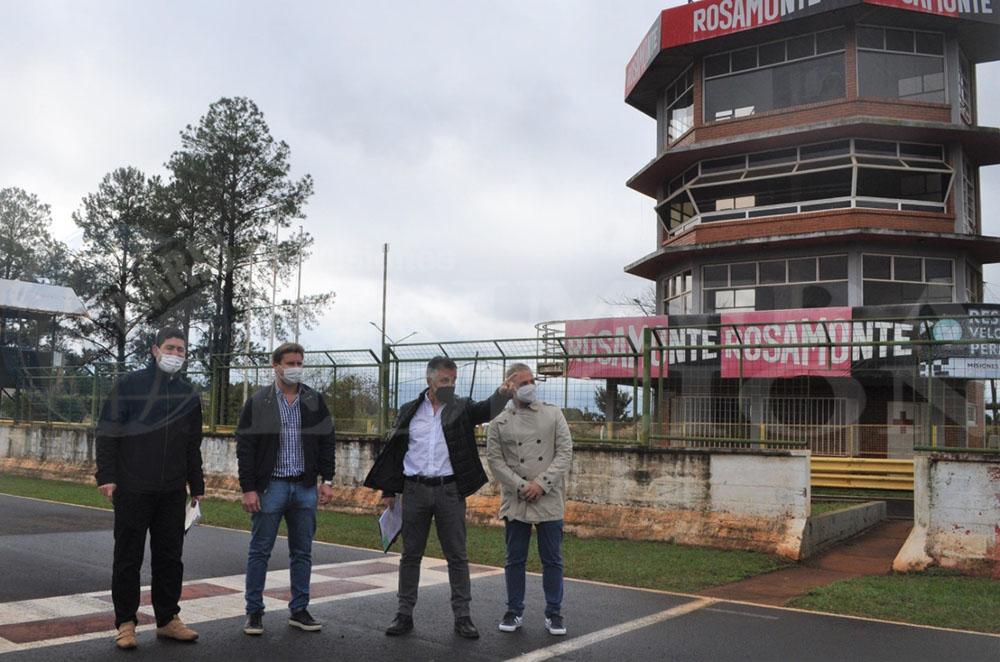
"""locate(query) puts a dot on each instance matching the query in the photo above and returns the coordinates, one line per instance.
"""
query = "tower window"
(677, 297)
(900, 64)
(679, 105)
(781, 74)
(890, 279)
(808, 282)
(873, 174)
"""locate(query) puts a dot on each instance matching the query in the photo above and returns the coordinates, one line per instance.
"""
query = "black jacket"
(149, 434)
(458, 420)
(258, 436)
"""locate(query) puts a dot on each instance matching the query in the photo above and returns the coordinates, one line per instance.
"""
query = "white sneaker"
(554, 624)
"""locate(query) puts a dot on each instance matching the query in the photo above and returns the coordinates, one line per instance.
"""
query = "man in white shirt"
(432, 460)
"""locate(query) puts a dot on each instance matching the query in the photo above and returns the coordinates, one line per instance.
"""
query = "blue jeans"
(549, 551)
(297, 504)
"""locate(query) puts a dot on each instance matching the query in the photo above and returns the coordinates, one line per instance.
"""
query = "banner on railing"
(941, 340)
(607, 346)
(786, 343)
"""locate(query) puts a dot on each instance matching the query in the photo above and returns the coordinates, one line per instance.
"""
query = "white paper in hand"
(390, 524)
(193, 515)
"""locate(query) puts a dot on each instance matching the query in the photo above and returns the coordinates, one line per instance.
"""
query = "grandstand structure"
(816, 187)
(29, 361)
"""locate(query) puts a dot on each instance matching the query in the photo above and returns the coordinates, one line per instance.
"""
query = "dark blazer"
(258, 436)
(458, 420)
(149, 434)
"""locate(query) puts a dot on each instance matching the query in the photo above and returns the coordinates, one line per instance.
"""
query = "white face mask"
(527, 393)
(292, 375)
(169, 363)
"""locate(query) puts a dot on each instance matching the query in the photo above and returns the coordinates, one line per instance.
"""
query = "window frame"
(729, 291)
(973, 284)
(914, 52)
(970, 191)
(854, 154)
(684, 292)
(923, 275)
(672, 96)
(966, 91)
(756, 48)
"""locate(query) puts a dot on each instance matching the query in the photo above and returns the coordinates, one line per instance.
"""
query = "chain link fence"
(868, 387)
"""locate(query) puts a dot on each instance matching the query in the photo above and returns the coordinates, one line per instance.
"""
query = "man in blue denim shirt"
(284, 440)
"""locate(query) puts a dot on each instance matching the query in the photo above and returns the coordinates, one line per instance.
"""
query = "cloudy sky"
(486, 142)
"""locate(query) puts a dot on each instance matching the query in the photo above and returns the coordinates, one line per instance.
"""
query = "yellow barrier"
(873, 474)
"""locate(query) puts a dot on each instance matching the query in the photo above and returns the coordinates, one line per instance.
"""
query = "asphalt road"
(55, 562)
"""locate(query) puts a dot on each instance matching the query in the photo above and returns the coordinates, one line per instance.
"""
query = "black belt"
(289, 479)
(432, 480)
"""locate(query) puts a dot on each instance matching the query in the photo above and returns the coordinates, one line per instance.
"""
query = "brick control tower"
(818, 154)
(834, 141)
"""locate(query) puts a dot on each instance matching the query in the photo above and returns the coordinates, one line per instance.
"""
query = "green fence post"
(394, 389)
(213, 397)
(647, 383)
(383, 379)
(93, 398)
(931, 432)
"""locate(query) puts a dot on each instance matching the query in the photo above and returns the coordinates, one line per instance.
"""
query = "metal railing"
(857, 473)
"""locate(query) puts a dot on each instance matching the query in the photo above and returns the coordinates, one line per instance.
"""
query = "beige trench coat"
(525, 444)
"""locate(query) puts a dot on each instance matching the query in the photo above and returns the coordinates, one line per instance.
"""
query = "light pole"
(298, 291)
(385, 274)
(383, 372)
(274, 286)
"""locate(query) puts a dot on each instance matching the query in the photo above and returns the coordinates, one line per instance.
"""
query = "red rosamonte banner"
(975, 10)
(600, 339)
(705, 19)
(779, 337)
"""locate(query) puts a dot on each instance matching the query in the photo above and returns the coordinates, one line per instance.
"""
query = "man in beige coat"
(529, 450)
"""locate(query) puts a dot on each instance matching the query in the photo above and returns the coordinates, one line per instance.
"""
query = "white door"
(903, 429)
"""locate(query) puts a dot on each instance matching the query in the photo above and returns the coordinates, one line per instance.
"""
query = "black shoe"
(510, 622)
(303, 621)
(400, 625)
(465, 628)
(254, 623)
(554, 624)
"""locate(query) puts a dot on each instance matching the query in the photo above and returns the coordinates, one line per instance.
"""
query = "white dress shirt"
(427, 454)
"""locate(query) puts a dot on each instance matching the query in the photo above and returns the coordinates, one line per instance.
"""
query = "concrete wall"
(47, 452)
(826, 530)
(719, 498)
(956, 512)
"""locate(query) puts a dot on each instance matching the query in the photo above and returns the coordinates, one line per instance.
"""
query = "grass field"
(935, 597)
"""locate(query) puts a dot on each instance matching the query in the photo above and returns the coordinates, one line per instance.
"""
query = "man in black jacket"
(284, 440)
(148, 448)
(432, 460)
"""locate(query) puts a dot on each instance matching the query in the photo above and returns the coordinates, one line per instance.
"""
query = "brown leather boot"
(125, 638)
(176, 629)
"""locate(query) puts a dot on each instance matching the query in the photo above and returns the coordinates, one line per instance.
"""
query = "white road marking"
(741, 613)
(209, 608)
(614, 631)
